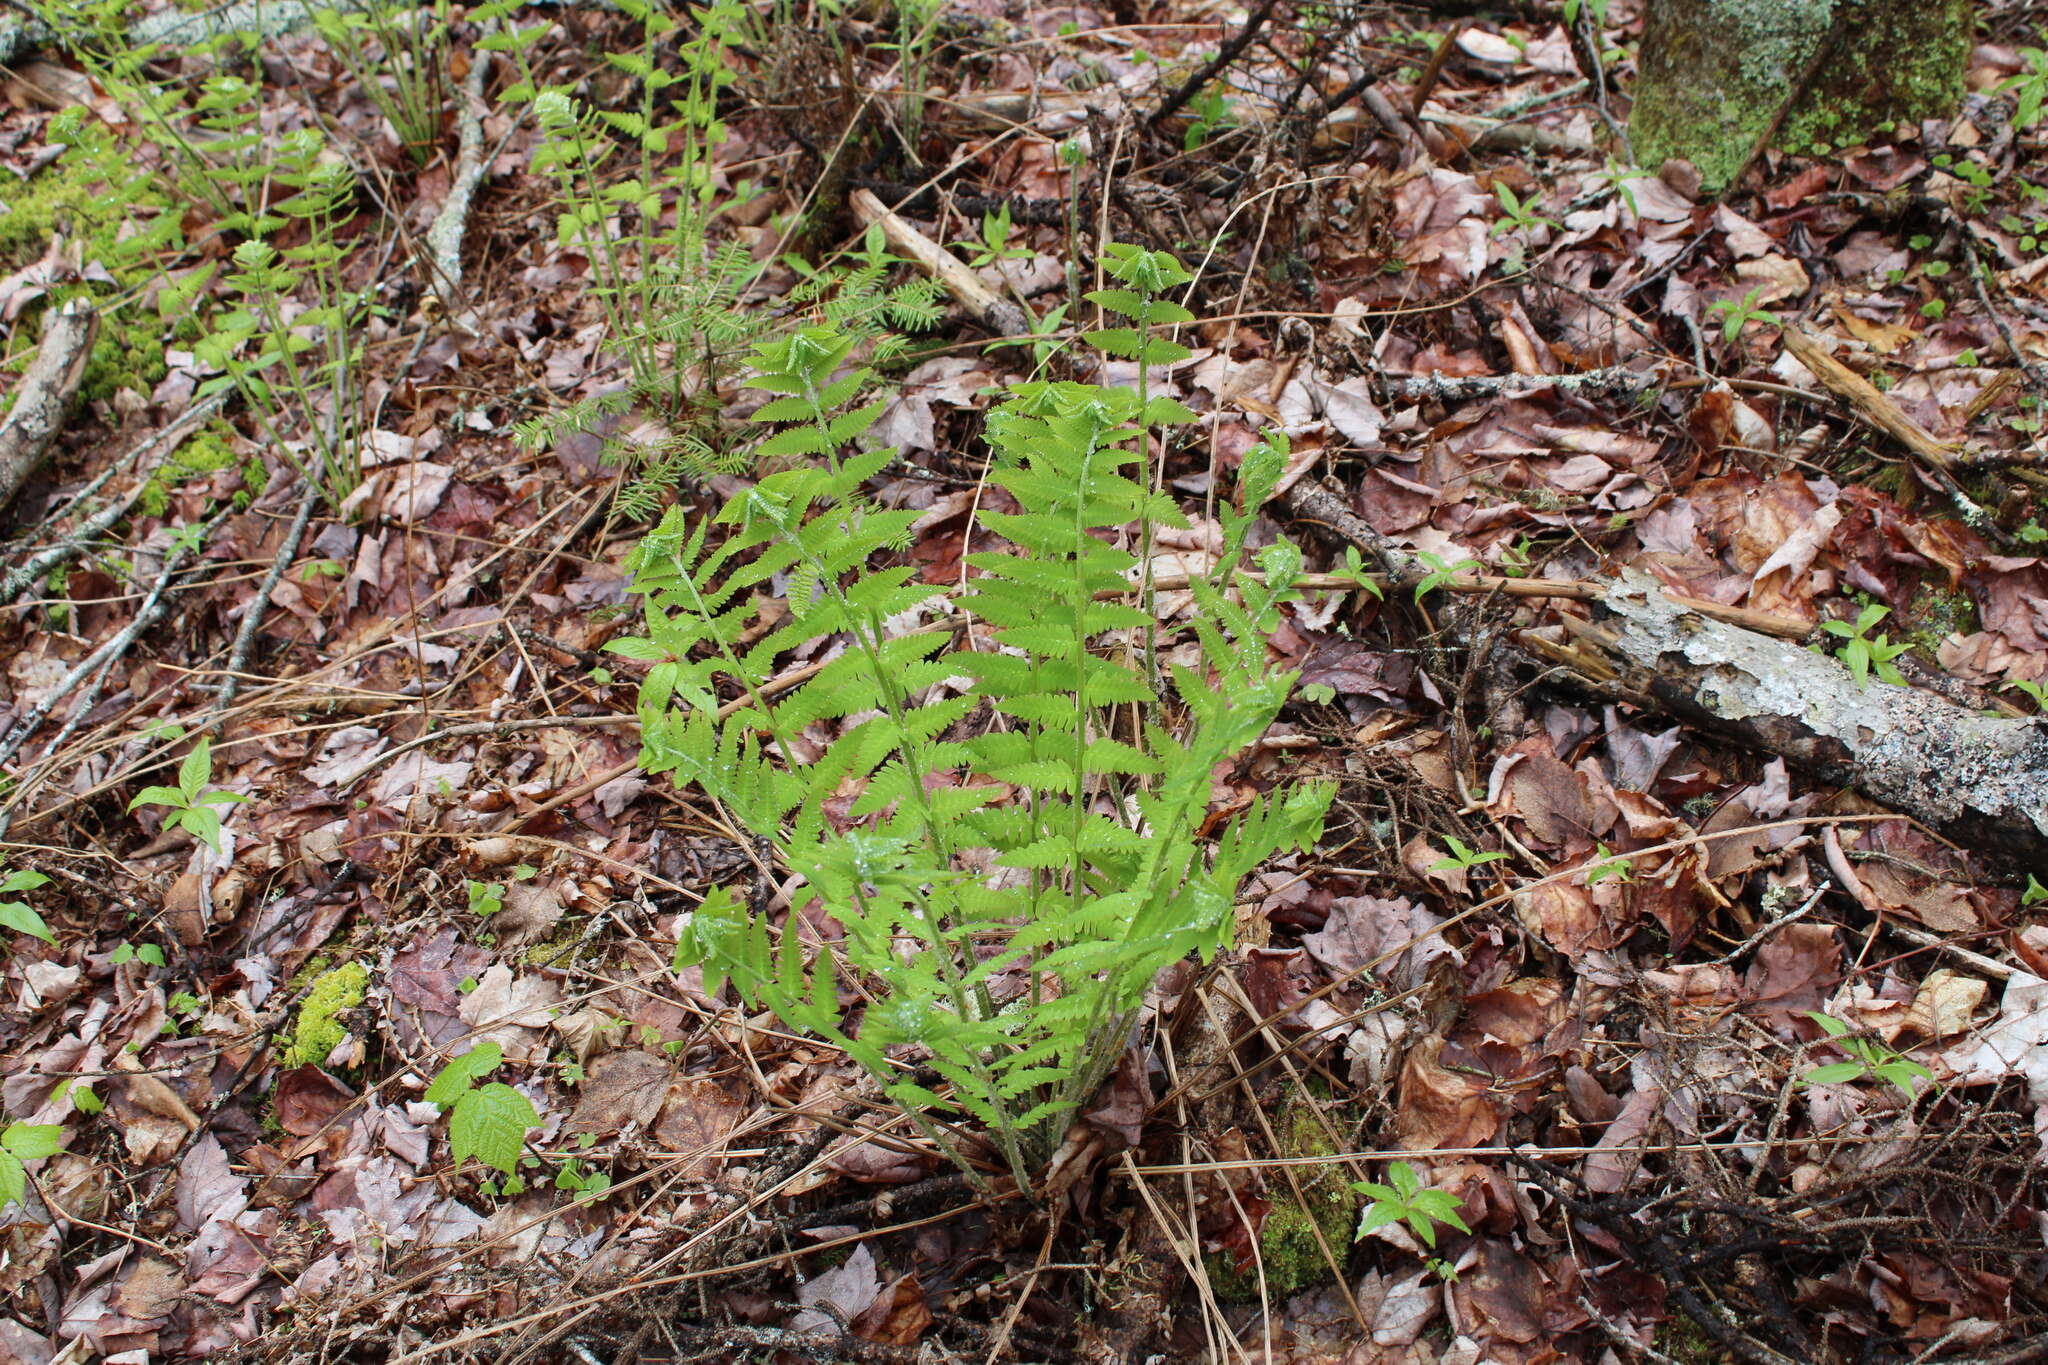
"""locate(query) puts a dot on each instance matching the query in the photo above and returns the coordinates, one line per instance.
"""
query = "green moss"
(1933, 615)
(206, 452)
(319, 1032)
(1292, 1257)
(1716, 73)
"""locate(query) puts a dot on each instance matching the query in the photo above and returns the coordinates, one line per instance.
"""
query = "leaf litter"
(1599, 1042)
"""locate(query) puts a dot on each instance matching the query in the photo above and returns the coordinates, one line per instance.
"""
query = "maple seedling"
(21, 1143)
(18, 915)
(1463, 856)
(1867, 1058)
(1866, 653)
(1406, 1200)
(489, 1122)
(192, 802)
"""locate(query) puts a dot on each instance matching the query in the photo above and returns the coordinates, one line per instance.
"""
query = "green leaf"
(13, 1179)
(197, 769)
(491, 1123)
(462, 1072)
(24, 920)
(1834, 1073)
(31, 1141)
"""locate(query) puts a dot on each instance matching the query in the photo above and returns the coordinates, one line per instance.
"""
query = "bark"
(1718, 80)
(1980, 780)
(45, 394)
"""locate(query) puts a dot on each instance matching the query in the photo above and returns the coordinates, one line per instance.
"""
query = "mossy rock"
(1292, 1258)
(1713, 75)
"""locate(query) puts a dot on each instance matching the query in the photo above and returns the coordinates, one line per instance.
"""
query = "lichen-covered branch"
(1980, 780)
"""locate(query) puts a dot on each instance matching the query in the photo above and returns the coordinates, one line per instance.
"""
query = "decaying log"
(1979, 780)
(45, 394)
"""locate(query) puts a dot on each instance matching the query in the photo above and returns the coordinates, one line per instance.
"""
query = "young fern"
(1008, 838)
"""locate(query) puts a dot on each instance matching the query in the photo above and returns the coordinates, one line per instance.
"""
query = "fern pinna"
(1006, 834)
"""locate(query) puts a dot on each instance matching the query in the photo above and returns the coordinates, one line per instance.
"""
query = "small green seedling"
(1735, 316)
(150, 954)
(995, 241)
(1606, 863)
(1519, 215)
(489, 1122)
(24, 1142)
(1868, 1058)
(1440, 573)
(486, 898)
(1213, 114)
(1463, 856)
(1866, 653)
(1354, 568)
(191, 802)
(2038, 692)
(2030, 88)
(2035, 892)
(19, 916)
(1406, 1201)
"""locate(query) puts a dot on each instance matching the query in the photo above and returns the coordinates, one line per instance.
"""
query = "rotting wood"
(45, 394)
(1979, 780)
(988, 308)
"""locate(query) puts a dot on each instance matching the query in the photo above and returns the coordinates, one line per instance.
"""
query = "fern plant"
(1008, 836)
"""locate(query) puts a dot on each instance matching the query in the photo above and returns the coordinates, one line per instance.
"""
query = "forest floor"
(1716, 1057)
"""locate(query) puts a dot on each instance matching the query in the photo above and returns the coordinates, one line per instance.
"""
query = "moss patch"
(1292, 1257)
(1715, 73)
(318, 1031)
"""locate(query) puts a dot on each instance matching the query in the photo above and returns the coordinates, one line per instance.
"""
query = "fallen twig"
(259, 607)
(1225, 55)
(990, 309)
(45, 393)
(148, 458)
(444, 237)
(91, 671)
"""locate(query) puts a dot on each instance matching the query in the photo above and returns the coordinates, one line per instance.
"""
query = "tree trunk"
(1719, 79)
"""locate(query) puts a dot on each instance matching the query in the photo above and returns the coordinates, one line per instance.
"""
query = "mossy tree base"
(1715, 74)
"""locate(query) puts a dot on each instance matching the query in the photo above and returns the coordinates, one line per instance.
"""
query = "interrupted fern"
(1007, 839)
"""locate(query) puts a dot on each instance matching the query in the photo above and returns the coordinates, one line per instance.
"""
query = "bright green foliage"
(18, 915)
(488, 1122)
(409, 45)
(191, 802)
(1868, 1057)
(1041, 753)
(318, 1031)
(1866, 653)
(2035, 892)
(486, 898)
(994, 245)
(1463, 856)
(1607, 864)
(1440, 572)
(1404, 1200)
(2030, 88)
(20, 1143)
(1518, 214)
(1735, 316)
